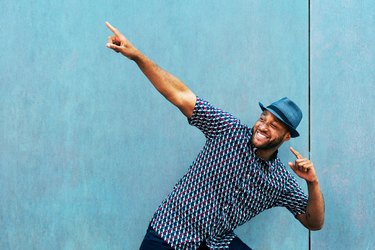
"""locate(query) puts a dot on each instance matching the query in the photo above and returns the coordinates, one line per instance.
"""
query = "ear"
(287, 136)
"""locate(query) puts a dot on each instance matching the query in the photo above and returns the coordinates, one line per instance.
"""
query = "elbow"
(312, 223)
(316, 226)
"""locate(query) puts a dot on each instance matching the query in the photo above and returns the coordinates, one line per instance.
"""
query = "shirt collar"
(270, 164)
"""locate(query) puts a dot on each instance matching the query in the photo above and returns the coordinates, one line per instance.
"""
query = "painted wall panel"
(343, 60)
(89, 149)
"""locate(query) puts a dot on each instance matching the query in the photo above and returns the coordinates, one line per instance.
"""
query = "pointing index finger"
(113, 29)
(298, 155)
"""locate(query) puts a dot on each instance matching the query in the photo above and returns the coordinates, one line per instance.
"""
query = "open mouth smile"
(261, 136)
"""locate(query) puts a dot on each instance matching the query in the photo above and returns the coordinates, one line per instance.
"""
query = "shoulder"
(205, 110)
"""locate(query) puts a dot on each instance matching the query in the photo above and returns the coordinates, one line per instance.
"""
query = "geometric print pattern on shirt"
(224, 187)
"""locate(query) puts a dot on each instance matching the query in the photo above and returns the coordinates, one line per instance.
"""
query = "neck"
(266, 154)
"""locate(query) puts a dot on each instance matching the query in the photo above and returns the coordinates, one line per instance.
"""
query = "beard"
(275, 144)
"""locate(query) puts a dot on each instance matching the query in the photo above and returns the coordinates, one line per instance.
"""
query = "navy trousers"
(152, 241)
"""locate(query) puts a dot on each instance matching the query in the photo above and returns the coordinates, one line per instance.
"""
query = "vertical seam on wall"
(309, 81)
(309, 90)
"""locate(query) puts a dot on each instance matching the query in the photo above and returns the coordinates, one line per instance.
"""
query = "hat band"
(281, 114)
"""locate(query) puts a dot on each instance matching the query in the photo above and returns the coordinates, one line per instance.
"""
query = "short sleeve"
(210, 120)
(293, 198)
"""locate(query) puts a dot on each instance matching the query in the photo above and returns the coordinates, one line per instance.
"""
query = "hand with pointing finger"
(303, 167)
(120, 44)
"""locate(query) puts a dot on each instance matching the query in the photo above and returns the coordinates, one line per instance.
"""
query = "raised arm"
(314, 217)
(173, 89)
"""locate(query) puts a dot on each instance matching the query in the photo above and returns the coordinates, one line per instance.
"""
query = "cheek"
(278, 135)
(256, 125)
(275, 134)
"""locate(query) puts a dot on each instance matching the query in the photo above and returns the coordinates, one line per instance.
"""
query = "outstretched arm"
(173, 89)
(314, 217)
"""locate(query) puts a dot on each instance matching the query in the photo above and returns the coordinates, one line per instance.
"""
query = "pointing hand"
(120, 44)
(303, 167)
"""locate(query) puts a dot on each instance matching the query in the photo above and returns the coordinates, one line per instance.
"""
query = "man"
(237, 174)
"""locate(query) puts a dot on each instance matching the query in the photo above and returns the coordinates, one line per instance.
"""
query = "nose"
(263, 127)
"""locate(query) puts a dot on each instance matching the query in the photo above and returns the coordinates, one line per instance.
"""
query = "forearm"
(172, 88)
(315, 206)
(168, 85)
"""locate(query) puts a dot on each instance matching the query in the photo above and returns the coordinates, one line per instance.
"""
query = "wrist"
(314, 182)
(137, 57)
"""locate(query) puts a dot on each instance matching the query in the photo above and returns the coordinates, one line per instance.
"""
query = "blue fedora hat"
(287, 112)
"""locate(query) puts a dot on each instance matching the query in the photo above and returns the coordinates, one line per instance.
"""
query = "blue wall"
(343, 98)
(89, 149)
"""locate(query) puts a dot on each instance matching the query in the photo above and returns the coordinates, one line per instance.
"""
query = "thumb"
(113, 46)
(292, 166)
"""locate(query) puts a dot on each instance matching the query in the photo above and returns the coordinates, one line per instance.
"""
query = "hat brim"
(293, 131)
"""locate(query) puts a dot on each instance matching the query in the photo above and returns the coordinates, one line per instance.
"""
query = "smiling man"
(236, 175)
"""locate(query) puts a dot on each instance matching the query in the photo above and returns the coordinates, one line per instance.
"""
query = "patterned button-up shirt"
(225, 186)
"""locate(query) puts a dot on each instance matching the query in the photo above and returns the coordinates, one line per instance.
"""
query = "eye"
(273, 125)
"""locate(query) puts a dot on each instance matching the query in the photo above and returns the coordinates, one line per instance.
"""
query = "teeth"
(261, 135)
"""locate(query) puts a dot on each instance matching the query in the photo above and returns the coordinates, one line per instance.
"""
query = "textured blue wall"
(343, 101)
(89, 149)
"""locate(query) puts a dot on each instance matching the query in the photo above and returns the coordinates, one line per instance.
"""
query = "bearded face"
(269, 132)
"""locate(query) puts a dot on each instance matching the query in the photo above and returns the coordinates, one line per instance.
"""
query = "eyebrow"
(276, 120)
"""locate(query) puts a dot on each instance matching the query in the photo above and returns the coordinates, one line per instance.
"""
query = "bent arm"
(313, 219)
(172, 88)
